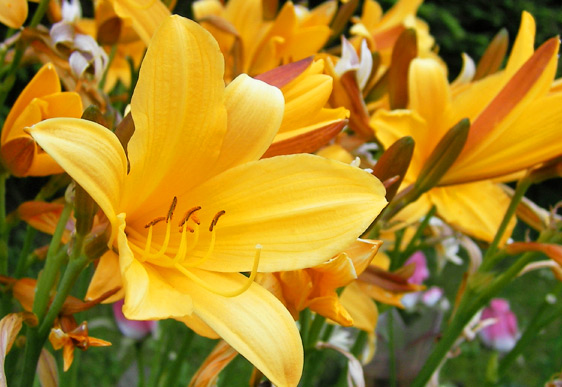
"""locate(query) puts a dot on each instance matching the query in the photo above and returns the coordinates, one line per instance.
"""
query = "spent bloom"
(197, 206)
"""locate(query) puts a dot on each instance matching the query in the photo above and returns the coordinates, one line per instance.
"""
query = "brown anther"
(195, 218)
(171, 210)
(188, 214)
(216, 219)
(153, 222)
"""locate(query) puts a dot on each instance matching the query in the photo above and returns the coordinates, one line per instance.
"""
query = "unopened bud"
(95, 244)
(443, 156)
(84, 210)
(395, 162)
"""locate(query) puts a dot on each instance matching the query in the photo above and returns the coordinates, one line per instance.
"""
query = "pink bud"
(134, 329)
(421, 273)
(503, 334)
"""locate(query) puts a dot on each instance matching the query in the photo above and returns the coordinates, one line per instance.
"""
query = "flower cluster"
(260, 174)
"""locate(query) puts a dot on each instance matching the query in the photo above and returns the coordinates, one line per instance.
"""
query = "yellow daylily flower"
(13, 12)
(382, 30)
(195, 153)
(40, 99)
(251, 44)
(503, 108)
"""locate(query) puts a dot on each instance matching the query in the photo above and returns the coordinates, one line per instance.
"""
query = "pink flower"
(503, 334)
(421, 273)
(134, 329)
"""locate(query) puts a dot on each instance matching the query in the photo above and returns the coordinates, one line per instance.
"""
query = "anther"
(188, 214)
(153, 222)
(216, 219)
(171, 210)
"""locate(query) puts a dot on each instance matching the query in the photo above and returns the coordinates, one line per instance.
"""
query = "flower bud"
(395, 162)
(443, 156)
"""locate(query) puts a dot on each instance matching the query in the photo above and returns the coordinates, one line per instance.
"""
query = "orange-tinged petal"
(10, 325)
(91, 154)
(207, 375)
(43, 216)
(475, 208)
(361, 307)
(13, 12)
(45, 82)
(106, 277)
(331, 308)
(321, 210)
(521, 146)
(255, 111)
(146, 15)
(254, 323)
(178, 130)
(532, 81)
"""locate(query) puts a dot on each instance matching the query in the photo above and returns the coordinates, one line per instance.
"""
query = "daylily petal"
(300, 216)
(428, 82)
(178, 130)
(524, 45)
(254, 323)
(149, 294)
(391, 126)
(146, 15)
(13, 13)
(255, 111)
(361, 307)
(475, 208)
(106, 277)
(90, 154)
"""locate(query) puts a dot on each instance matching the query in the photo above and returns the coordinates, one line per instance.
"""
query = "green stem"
(328, 330)
(71, 274)
(36, 337)
(175, 368)
(25, 251)
(163, 350)
(52, 266)
(359, 344)
(304, 320)
(488, 261)
(314, 331)
(39, 13)
(140, 363)
(412, 245)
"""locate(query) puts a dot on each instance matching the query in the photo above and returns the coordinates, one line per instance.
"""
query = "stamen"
(153, 222)
(171, 210)
(188, 214)
(180, 255)
(232, 293)
(216, 219)
(207, 255)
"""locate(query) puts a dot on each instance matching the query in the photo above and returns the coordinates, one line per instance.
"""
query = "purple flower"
(503, 334)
